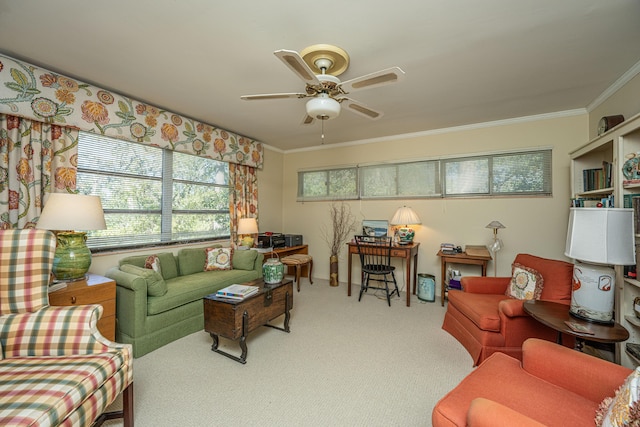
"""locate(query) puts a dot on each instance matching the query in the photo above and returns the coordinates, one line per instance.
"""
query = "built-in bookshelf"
(597, 177)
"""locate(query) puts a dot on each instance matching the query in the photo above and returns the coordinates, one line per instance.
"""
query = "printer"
(271, 240)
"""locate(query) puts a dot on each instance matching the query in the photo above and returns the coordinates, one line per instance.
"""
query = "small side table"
(462, 258)
(93, 289)
(554, 315)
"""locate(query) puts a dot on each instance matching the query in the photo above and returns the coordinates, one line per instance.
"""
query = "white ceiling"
(466, 61)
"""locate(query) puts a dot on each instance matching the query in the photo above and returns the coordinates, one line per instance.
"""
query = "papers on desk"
(479, 250)
(264, 250)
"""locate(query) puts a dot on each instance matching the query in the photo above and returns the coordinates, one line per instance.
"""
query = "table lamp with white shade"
(247, 227)
(598, 238)
(64, 214)
(404, 217)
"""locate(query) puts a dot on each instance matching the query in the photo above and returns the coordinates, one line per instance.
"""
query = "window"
(150, 195)
(417, 179)
(328, 184)
(502, 174)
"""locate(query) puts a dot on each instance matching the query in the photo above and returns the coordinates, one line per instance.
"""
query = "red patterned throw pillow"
(526, 283)
(218, 259)
(153, 262)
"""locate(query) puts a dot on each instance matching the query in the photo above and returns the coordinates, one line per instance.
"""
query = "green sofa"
(154, 309)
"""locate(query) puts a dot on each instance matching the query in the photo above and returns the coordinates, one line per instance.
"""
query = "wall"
(535, 225)
(625, 101)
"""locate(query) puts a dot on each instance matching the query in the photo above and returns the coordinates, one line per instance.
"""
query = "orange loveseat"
(552, 386)
(485, 320)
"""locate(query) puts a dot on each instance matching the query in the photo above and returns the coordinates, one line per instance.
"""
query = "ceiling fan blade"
(307, 120)
(360, 109)
(294, 61)
(379, 78)
(273, 96)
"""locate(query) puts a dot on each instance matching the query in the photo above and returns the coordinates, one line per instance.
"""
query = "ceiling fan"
(318, 66)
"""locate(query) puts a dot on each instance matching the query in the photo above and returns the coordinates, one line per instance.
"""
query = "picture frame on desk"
(375, 228)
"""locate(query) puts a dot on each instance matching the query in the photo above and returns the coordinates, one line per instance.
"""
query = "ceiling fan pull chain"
(322, 135)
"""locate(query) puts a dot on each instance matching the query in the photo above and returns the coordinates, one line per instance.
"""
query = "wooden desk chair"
(375, 258)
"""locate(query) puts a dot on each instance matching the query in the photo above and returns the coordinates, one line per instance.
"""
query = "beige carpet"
(345, 363)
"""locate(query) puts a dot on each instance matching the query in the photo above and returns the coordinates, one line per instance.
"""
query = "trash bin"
(426, 287)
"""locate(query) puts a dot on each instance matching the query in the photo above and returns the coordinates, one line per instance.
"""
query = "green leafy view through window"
(150, 195)
(503, 174)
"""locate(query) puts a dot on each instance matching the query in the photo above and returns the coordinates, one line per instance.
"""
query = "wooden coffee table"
(236, 319)
(554, 315)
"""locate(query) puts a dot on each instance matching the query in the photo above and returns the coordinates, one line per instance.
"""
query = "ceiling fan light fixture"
(323, 107)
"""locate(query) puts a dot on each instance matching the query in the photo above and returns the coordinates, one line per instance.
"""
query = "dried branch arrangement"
(343, 223)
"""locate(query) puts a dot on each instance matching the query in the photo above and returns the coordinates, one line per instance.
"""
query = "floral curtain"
(35, 159)
(31, 92)
(243, 197)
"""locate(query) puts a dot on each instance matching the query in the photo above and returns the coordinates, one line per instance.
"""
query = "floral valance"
(34, 93)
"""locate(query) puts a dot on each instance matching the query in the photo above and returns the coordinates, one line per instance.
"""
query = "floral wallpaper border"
(31, 92)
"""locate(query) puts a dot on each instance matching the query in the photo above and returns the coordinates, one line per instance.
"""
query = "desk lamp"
(496, 244)
(598, 238)
(404, 217)
(63, 213)
(247, 227)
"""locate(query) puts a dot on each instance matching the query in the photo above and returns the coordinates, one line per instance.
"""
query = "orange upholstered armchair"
(485, 320)
(552, 386)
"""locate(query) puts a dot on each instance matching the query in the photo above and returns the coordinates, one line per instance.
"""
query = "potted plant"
(342, 225)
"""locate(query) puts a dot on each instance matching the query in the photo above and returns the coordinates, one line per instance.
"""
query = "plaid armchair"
(55, 367)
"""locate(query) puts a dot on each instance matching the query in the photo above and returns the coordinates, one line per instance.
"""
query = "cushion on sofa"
(156, 286)
(153, 262)
(168, 264)
(191, 260)
(557, 275)
(218, 259)
(244, 260)
(623, 409)
(186, 289)
(526, 283)
(481, 309)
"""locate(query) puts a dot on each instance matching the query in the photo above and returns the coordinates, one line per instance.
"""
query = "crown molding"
(537, 117)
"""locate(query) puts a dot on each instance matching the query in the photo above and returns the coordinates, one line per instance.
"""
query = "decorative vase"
(333, 270)
(72, 258)
(272, 271)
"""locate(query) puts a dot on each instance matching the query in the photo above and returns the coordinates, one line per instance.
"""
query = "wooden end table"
(554, 315)
(93, 289)
(236, 319)
(462, 258)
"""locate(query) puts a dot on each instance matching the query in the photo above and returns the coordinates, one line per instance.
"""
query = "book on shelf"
(237, 292)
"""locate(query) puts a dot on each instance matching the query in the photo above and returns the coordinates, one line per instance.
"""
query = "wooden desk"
(398, 251)
(290, 250)
(462, 258)
(554, 315)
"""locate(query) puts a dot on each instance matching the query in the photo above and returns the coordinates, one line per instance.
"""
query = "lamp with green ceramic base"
(404, 217)
(247, 228)
(63, 213)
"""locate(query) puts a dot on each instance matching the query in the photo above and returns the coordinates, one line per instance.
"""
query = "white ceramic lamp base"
(593, 292)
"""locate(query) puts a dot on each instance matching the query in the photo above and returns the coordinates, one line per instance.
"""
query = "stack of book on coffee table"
(237, 292)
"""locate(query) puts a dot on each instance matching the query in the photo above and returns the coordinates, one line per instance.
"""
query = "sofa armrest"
(585, 375)
(487, 413)
(127, 280)
(257, 266)
(55, 331)
(485, 285)
(131, 301)
(512, 307)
